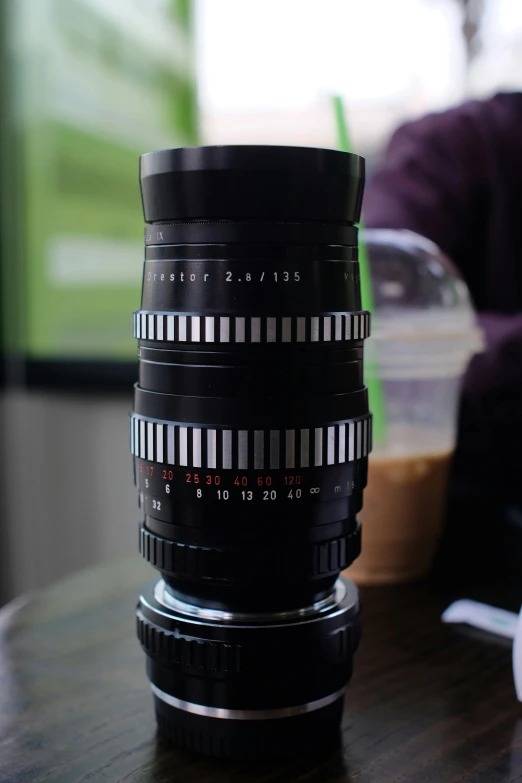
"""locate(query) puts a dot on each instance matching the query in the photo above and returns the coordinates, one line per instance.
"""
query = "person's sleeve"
(491, 411)
(425, 180)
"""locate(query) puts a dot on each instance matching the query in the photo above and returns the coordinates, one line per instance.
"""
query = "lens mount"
(242, 684)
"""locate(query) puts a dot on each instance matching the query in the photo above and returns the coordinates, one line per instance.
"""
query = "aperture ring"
(237, 449)
(226, 329)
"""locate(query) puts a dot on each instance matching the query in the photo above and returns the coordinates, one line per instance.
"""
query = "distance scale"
(164, 487)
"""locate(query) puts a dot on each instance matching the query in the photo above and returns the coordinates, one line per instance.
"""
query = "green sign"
(88, 85)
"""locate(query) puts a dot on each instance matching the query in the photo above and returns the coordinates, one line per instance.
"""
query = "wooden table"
(428, 703)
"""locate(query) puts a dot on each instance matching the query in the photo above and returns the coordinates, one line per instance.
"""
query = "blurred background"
(88, 85)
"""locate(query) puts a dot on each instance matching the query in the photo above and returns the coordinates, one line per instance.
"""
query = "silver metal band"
(166, 599)
(198, 447)
(219, 712)
(345, 592)
(182, 328)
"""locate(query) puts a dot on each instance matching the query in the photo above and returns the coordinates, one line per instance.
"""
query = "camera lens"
(250, 435)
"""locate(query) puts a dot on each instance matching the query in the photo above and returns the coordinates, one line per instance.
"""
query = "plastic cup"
(423, 335)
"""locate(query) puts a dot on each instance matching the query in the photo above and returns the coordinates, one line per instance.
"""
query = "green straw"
(374, 385)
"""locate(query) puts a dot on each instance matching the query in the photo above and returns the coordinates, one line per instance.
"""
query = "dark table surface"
(428, 703)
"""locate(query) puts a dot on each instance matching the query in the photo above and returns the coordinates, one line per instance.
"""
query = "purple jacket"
(456, 178)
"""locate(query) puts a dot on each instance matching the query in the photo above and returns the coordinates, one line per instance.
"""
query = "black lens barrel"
(251, 183)
(250, 436)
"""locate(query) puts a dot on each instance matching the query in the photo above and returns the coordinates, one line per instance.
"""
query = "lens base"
(250, 739)
(249, 686)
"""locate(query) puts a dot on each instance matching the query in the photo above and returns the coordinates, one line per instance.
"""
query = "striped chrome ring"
(183, 328)
(220, 712)
(208, 447)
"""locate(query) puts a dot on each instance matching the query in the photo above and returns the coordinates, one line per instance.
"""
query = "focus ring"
(208, 448)
(224, 329)
(188, 653)
(204, 562)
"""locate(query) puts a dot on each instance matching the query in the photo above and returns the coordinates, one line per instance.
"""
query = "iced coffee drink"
(424, 332)
(403, 516)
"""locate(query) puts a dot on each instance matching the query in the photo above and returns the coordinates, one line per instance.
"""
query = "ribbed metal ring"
(183, 328)
(198, 447)
(188, 652)
(192, 561)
